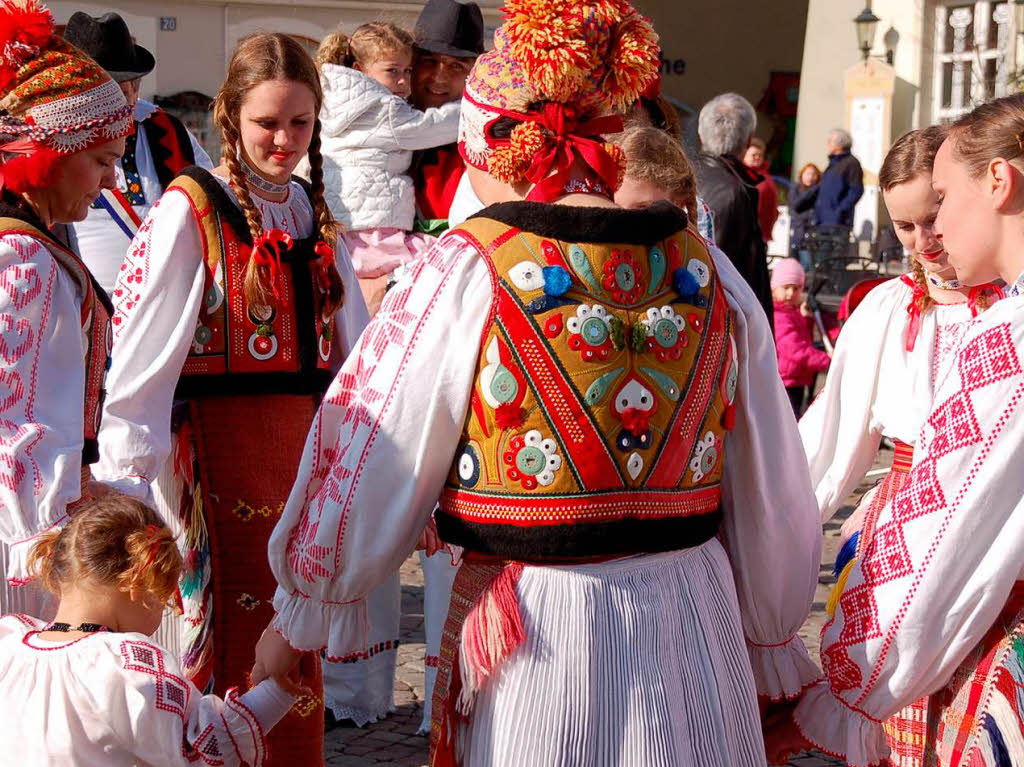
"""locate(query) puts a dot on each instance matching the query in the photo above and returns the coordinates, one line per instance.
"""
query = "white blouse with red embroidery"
(42, 385)
(945, 555)
(875, 388)
(111, 699)
(383, 442)
(155, 322)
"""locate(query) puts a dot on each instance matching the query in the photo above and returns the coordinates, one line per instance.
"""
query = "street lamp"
(866, 23)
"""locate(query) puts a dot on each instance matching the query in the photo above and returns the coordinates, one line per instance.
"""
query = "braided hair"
(258, 59)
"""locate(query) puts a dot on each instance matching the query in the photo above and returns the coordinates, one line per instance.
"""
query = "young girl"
(369, 134)
(934, 605)
(231, 301)
(657, 169)
(799, 360)
(91, 688)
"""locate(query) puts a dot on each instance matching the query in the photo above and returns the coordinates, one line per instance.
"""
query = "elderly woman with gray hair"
(725, 126)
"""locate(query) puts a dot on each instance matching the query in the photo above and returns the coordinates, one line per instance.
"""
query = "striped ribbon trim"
(116, 203)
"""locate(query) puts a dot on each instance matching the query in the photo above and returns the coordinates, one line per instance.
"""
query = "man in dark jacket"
(725, 126)
(842, 184)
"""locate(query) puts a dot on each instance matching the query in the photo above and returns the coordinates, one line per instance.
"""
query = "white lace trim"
(72, 123)
(472, 137)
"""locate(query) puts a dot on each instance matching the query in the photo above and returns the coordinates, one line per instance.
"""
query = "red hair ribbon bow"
(570, 139)
(325, 253)
(151, 532)
(267, 250)
(913, 311)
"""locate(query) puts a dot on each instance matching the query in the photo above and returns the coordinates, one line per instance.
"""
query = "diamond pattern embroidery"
(921, 495)
(860, 615)
(206, 748)
(843, 674)
(887, 557)
(171, 691)
(989, 358)
(955, 425)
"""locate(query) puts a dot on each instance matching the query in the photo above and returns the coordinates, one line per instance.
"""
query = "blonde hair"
(115, 541)
(372, 42)
(992, 130)
(332, 49)
(258, 59)
(655, 157)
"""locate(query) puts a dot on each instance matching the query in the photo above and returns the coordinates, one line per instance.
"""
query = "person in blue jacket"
(842, 184)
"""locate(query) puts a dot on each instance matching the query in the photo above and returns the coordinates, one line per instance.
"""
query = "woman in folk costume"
(934, 604)
(62, 129)
(565, 375)
(889, 360)
(230, 299)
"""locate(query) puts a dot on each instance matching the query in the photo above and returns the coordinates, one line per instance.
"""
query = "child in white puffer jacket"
(368, 133)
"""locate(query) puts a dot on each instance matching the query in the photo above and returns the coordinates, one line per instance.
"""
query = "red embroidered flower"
(531, 460)
(591, 333)
(666, 333)
(622, 277)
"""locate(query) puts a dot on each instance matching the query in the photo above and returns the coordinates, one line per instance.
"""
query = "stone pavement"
(394, 742)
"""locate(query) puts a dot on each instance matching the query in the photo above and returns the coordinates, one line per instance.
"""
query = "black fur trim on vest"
(645, 226)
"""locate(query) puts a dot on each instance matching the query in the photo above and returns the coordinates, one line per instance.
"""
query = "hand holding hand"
(275, 657)
(855, 521)
(430, 541)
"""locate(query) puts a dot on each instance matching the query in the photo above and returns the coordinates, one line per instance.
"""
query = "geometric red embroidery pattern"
(989, 358)
(172, 692)
(206, 748)
(133, 275)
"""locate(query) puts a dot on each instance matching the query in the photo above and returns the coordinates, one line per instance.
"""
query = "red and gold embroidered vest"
(241, 348)
(601, 400)
(94, 316)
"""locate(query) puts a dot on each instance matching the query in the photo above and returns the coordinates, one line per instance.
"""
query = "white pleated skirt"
(438, 577)
(639, 662)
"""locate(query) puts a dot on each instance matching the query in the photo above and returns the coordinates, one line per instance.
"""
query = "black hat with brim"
(108, 42)
(450, 28)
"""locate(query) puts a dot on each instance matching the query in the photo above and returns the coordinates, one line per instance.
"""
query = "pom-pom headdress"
(559, 68)
(54, 100)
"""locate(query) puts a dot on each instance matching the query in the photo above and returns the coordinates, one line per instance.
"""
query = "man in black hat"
(154, 155)
(449, 36)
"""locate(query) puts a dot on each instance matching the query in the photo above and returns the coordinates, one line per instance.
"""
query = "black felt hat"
(450, 28)
(107, 41)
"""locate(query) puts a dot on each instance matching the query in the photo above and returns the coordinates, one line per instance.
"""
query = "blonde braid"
(924, 303)
(329, 228)
(255, 284)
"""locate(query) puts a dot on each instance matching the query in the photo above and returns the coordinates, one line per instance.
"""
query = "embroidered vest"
(242, 348)
(94, 316)
(169, 145)
(602, 397)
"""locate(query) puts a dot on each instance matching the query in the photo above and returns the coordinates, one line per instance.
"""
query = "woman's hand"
(855, 521)
(430, 541)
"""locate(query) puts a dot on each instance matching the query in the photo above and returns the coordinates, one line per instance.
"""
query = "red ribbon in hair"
(325, 254)
(267, 250)
(913, 311)
(571, 139)
(154, 547)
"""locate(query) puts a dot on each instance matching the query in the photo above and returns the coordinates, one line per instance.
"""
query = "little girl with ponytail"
(90, 687)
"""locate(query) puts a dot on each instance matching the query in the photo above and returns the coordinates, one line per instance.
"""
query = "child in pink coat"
(799, 359)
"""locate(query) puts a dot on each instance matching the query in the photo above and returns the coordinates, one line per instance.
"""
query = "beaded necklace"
(89, 628)
(937, 282)
(257, 182)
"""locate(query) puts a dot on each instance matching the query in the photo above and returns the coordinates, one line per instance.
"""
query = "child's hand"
(429, 540)
(805, 310)
(274, 657)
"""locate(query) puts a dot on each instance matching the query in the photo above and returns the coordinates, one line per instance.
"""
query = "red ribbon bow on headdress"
(267, 250)
(570, 139)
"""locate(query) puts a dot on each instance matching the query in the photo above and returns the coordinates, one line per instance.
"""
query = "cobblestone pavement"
(394, 742)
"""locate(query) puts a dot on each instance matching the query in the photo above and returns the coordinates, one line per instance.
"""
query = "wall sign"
(168, 23)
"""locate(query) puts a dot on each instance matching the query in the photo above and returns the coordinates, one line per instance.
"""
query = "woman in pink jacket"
(799, 359)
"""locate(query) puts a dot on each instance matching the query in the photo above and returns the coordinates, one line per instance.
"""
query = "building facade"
(725, 45)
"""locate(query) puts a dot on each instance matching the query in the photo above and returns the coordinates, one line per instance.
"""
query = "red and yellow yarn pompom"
(25, 27)
(633, 63)
(509, 163)
(546, 38)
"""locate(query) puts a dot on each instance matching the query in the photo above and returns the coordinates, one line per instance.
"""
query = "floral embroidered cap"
(54, 100)
(562, 68)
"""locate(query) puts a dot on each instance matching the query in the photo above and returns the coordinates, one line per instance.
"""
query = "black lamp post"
(866, 23)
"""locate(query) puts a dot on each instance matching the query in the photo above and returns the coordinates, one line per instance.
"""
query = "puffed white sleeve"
(840, 431)
(157, 299)
(163, 718)
(352, 317)
(379, 450)
(42, 385)
(770, 520)
(412, 129)
(944, 557)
